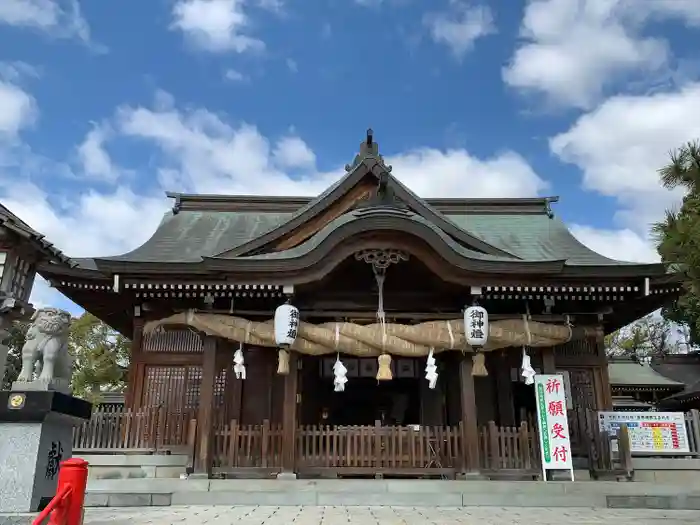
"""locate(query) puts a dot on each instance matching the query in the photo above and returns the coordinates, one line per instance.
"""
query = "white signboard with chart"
(555, 444)
(650, 432)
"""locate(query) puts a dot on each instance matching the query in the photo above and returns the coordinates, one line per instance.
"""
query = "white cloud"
(292, 65)
(292, 152)
(62, 18)
(216, 25)
(623, 244)
(95, 160)
(456, 173)
(235, 76)
(573, 49)
(17, 71)
(619, 147)
(460, 26)
(18, 109)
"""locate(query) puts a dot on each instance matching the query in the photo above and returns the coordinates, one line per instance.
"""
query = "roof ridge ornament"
(368, 150)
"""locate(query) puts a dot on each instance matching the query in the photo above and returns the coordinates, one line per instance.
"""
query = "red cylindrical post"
(73, 473)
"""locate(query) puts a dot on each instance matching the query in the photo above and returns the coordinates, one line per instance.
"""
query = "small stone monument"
(38, 415)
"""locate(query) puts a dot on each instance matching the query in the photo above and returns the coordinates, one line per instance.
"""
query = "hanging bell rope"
(526, 371)
(379, 277)
(479, 365)
(283, 362)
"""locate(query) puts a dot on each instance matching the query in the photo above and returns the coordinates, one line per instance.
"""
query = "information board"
(555, 444)
(650, 432)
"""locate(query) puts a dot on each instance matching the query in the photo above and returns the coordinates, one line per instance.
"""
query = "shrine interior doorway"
(364, 400)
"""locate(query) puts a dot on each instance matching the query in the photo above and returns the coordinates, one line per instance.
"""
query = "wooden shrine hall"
(326, 336)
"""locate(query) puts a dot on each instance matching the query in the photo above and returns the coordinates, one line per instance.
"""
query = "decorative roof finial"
(368, 148)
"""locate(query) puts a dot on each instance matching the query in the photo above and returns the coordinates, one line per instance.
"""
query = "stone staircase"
(413, 493)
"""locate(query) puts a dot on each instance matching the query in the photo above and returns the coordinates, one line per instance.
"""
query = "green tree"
(678, 236)
(651, 336)
(101, 357)
(15, 342)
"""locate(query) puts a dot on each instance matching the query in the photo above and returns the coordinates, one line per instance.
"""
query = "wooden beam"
(205, 414)
(289, 415)
(171, 358)
(469, 417)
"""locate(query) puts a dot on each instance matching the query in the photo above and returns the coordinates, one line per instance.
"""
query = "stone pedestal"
(36, 434)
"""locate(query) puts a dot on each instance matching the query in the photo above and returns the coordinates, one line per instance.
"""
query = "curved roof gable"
(368, 163)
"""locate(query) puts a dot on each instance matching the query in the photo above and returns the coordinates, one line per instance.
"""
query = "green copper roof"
(531, 237)
(636, 374)
(190, 235)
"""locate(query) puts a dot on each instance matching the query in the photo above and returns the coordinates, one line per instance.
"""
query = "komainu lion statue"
(47, 349)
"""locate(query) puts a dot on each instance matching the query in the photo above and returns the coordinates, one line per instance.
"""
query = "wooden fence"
(352, 450)
(147, 430)
(506, 451)
(372, 450)
(391, 450)
(242, 447)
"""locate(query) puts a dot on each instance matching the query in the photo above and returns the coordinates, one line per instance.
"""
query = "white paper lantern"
(286, 325)
(476, 325)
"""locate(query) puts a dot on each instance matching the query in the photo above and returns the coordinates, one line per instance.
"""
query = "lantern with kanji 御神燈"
(476, 325)
(286, 325)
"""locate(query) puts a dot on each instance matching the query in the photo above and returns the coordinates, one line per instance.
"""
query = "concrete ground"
(263, 515)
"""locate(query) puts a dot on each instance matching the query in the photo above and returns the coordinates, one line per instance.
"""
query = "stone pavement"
(262, 515)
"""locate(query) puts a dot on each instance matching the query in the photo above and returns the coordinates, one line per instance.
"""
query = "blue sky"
(105, 105)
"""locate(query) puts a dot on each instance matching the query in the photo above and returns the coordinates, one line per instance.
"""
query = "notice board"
(650, 432)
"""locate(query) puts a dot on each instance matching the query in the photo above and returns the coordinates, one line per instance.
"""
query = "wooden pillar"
(504, 388)
(548, 361)
(470, 437)
(289, 416)
(205, 413)
(136, 375)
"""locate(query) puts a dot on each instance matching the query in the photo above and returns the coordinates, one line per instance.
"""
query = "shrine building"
(369, 368)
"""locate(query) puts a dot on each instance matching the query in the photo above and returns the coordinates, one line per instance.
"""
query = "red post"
(72, 477)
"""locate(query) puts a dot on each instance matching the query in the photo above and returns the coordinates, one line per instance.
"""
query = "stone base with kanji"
(36, 434)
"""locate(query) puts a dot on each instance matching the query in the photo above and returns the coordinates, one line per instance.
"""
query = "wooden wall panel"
(261, 364)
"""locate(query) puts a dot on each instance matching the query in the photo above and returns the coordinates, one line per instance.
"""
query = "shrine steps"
(413, 493)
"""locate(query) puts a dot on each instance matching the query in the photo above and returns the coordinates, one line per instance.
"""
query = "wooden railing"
(374, 450)
(148, 430)
(379, 449)
(509, 450)
(239, 446)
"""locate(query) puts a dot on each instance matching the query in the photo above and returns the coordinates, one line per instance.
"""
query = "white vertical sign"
(555, 444)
